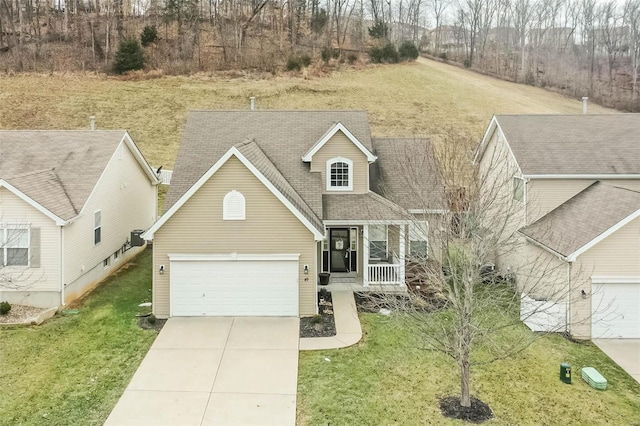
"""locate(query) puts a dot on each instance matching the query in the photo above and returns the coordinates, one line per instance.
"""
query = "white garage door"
(248, 285)
(616, 310)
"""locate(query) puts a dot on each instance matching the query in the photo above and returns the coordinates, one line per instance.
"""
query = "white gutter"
(542, 246)
(589, 176)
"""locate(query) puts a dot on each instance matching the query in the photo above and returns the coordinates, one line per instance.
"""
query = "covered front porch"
(368, 256)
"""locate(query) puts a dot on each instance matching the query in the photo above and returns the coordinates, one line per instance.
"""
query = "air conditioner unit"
(136, 238)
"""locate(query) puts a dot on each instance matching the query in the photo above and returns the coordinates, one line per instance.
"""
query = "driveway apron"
(624, 352)
(215, 371)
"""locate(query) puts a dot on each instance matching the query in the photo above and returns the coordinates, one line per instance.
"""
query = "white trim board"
(587, 176)
(233, 151)
(183, 257)
(33, 203)
(327, 136)
(614, 280)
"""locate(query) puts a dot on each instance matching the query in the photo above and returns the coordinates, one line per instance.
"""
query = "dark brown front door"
(339, 249)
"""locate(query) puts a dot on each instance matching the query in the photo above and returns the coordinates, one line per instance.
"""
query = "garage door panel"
(234, 288)
(615, 310)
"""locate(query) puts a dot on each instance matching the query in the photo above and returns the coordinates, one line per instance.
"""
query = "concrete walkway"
(215, 371)
(348, 330)
(624, 352)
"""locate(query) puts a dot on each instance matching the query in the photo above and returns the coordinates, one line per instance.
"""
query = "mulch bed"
(477, 413)
(143, 322)
(325, 310)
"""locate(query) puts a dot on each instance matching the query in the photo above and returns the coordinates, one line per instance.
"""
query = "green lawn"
(72, 369)
(386, 379)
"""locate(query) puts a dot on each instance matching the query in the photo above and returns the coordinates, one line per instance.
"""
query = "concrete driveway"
(215, 371)
(624, 352)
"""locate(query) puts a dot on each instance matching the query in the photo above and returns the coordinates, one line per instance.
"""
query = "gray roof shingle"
(369, 206)
(283, 136)
(57, 169)
(584, 217)
(407, 173)
(574, 144)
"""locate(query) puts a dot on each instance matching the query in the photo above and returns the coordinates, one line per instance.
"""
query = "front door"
(339, 249)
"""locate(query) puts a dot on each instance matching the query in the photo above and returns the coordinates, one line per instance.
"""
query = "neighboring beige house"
(69, 203)
(260, 202)
(576, 179)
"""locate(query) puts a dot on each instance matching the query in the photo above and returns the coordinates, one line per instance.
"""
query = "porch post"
(365, 255)
(402, 250)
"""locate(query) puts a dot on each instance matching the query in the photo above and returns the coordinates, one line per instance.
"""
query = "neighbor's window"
(116, 255)
(418, 239)
(339, 174)
(106, 262)
(518, 189)
(15, 246)
(97, 227)
(378, 241)
(233, 206)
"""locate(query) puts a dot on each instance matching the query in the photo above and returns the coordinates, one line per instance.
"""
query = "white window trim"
(386, 236)
(349, 163)
(4, 229)
(233, 215)
(97, 227)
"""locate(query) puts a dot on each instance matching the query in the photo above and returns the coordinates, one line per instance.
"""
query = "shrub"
(352, 58)
(386, 53)
(129, 57)
(379, 30)
(5, 307)
(149, 35)
(151, 319)
(305, 60)
(408, 51)
(467, 63)
(293, 63)
(443, 56)
(316, 319)
(326, 54)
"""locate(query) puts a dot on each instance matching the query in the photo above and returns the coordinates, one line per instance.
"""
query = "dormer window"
(339, 174)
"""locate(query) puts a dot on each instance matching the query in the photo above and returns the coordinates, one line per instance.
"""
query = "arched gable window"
(233, 206)
(339, 174)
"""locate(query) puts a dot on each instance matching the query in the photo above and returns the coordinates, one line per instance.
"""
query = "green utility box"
(565, 372)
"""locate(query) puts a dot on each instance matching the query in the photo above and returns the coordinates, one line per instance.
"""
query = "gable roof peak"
(338, 127)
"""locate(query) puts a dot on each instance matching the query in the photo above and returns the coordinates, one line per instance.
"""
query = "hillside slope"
(415, 99)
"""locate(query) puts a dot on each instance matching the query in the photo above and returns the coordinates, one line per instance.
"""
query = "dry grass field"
(417, 99)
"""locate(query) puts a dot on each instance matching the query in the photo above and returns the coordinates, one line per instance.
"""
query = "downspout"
(568, 310)
(62, 304)
(526, 201)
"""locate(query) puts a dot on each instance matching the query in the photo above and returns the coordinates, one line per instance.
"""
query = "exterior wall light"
(161, 271)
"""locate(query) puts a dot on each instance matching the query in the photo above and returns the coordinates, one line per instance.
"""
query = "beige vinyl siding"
(616, 255)
(197, 228)
(544, 195)
(127, 200)
(340, 146)
(14, 210)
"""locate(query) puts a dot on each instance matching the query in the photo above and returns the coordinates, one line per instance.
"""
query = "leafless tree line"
(580, 47)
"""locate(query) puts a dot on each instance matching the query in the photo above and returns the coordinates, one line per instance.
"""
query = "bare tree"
(438, 8)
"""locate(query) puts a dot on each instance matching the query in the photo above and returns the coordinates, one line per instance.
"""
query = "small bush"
(5, 307)
(443, 56)
(149, 35)
(316, 319)
(408, 51)
(293, 63)
(352, 58)
(384, 54)
(151, 319)
(129, 56)
(305, 60)
(467, 63)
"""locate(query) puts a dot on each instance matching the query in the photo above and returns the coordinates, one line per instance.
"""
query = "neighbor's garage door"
(234, 287)
(616, 310)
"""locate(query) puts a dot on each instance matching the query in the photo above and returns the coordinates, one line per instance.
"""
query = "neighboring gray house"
(576, 179)
(283, 195)
(69, 201)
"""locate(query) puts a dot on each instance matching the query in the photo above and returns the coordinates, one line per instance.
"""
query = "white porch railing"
(165, 176)
(384, 273)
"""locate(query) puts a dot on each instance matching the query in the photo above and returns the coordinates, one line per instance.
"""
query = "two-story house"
(262, 201)
(575, 182)
(72, 207)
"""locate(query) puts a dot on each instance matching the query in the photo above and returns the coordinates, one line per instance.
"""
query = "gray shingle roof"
(407, 174)
(369, 206)
(58, 169)
(256, 156)
(584, 217)
(574, 144)
(283, 136)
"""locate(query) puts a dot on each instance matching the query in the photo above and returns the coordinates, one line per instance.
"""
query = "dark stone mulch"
(143, 322)
(477, 413)
(328, 329)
